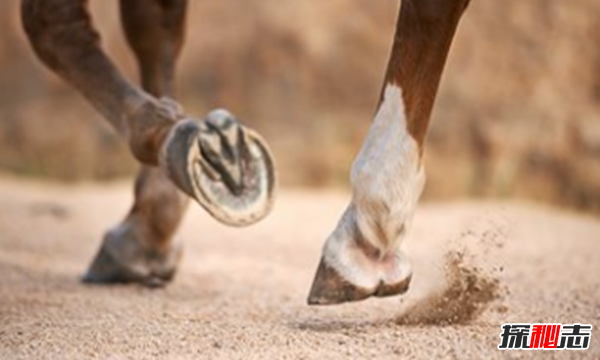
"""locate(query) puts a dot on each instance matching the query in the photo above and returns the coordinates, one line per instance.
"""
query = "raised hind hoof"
(225, 166)
(122, 259)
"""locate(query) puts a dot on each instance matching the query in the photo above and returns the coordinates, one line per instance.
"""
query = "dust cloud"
(469, 281)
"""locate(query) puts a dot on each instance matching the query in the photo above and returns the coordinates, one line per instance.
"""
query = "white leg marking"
(387, 180)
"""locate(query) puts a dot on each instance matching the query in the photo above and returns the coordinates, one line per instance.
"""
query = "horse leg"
(142, 247)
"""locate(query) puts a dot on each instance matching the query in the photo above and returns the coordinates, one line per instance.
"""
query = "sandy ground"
(240, 294)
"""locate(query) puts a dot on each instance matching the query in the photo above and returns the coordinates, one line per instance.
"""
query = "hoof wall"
(330, 288)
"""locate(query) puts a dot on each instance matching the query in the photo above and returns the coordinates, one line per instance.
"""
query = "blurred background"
(518, 113)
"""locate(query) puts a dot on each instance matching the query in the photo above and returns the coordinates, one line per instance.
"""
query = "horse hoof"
(122, 259)
(225, 166)
(330, 288)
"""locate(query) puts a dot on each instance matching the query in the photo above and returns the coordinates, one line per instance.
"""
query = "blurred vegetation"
(518, 112)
